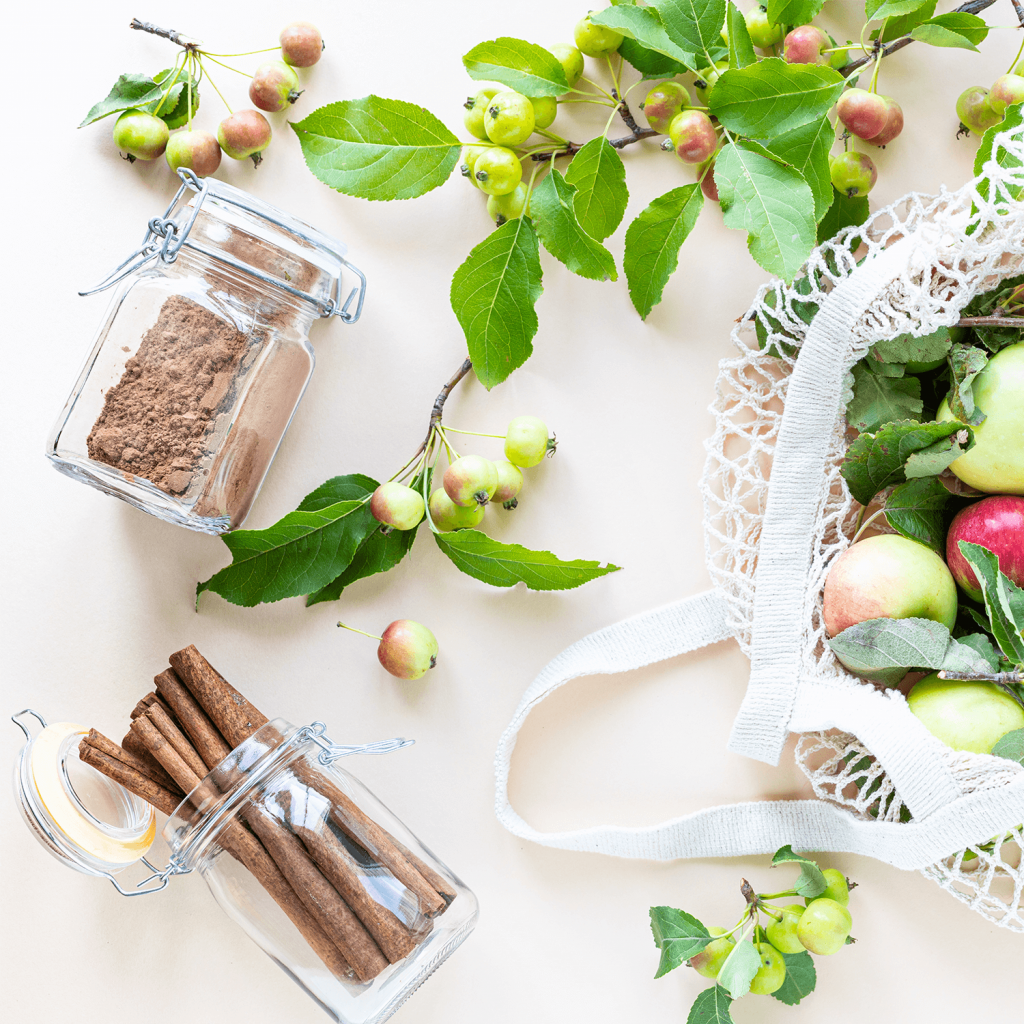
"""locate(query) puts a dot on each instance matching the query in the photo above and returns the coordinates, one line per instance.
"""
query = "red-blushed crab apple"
(996, 523)
(804, 45)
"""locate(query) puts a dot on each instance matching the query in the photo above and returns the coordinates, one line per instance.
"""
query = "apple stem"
(1001, 678)
(861, 525)
(352, 629)
(991, 321)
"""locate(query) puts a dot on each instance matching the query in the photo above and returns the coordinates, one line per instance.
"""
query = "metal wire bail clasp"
(331, 752)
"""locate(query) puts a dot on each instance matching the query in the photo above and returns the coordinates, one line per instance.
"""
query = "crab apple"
(545, 110)
(498, 171)
(762, 32)
(526, 441)
(510, 483)
(782, 934)
(853, 174)
(470, 155)
(706, 78)
(571, 60)
(888, 577)
(508, 207)
(407, 649)
(772, 972)
(804, 45)
(996, 523)
(198, 150)
(243, 134)
(476, 106)
(975, 111)
(708, 962)
(708, 185)
(836, 888)
(840, 56)
(509, 119)
(663, 102)
(693, 136)
(596, 40)
(996, 462)
(274, 86)
(863, 113)
(1006, 90)
(893, 123)
(824, 927)
(397, 506)
(471, 479)
(965, 714)
(141, 134)
(448, 516)
(301, 44)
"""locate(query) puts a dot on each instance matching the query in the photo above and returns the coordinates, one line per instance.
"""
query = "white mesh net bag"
(777, 512)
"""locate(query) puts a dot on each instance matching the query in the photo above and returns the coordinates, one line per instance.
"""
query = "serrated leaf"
(378, 553)
(597, 174)
(493, 294)
(1004, 600)
(738, 971)
(844, 212)
(127, 92)
(350, 487)
(694, 25)
(983, 645)
(801, 978)
(768, 200)
(711, 1007)
(174, 111)
(505, 565)
(1011, 746)
(811, 882)
(1004, 158)
(771, 97)
(876, 10)
(957, 28)
(649, 63)
(653, 241)
(965, 363)
(525, 67)
(806, 148)
(895, 27)
(376, 148)
(914, 509)
(906, 348)
(886, 649)
(645, 26)
(551, 208)
(875, 461)
(878, 399)
(936, 457)
(678, 935)
(741, 49)
(793, 12)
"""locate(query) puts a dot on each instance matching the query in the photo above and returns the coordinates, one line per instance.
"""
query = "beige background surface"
(97, 594)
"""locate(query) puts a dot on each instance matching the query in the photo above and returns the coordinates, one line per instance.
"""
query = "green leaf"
(811, 882)
(801, 978)
(128, 92)
(895, 27)
(597, 174)
(906, 348)
(982, 644)
(694, 25)
(645, 26)
(965, 363)
(793, 12)
(376, 148)
(678, 935)
(878, 400)
(378, 553)
(957, 28)
(653, 241)
(771, 97)
(525, 67)
(768, 200)
(649, 63)
(875, 461)
(806, 148)
(505, 565)
(175, 114)
(886, 649)
(1011, 746)
(738, 971)
(741, 49)
(933, 459)
(551, 207)
(493, 294)
(1013, 118)
(914, 509)
(711, 1007)
(843, 213)
(876, 10)
(1004, 600)
(351, 487)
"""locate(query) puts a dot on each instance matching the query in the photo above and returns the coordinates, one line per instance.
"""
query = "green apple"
(969, 715)
(708, 962)
(889, 577)
(996, 462)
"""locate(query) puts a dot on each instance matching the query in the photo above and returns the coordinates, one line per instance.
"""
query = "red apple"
(893, 123)
(804, 45)
(863, 113)
(996, 523)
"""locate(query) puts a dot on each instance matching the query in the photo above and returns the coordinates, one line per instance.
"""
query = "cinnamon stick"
(148, 766)
(209, 743)
(124, 774)
(177, 739)
(438, 882)
(133, 745)
(147, 702)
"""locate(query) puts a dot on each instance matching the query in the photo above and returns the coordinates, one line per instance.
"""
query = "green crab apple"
(141, 134)
(470, 155)
(397, 506)
(448, 516)
(245, 133)
(824, 927)
(707, 77)
(301, 44)
(510, 483)
(571, 60)
(1006, 90)
(891, 577)
(274, 86)
(475, 108)
(693, 136)
(498, 171)
(782, 934)
(975, 111)
(509, 118)
(996, 523)
(407, 649)
(527, 441)
(708, 962)
(863, 113)
(772, 972)
(763, 33)
(970, 715)
(852, 173)
(893, 123)
(198, 150)
(996, 462)
(545, 110)
(470, 480)
(596, 40)
(805, 45)
(663, 103)
(837, 887)
(508, 207)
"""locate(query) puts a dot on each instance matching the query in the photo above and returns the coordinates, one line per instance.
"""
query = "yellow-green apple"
(996, 462)
(1006, 90)
(889, 577)
(970, 715)
(996, 523)
(975, 111)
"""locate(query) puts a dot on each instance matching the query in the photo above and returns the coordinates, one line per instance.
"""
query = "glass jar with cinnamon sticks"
(323, 877)
(203, 356)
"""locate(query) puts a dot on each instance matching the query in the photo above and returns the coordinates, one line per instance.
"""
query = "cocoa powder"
(155, 420)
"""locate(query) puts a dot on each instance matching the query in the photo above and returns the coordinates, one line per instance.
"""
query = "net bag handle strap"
(741, 829)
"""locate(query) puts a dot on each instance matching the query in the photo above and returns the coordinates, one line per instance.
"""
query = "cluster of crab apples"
(143, 135)
(980, 109)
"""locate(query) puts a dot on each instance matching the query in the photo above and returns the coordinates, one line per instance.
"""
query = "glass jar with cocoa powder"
(202, 357)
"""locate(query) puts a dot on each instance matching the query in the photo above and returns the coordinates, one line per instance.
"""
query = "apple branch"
(173, 35)
(1000, 678)
(438, 408)
(992, 321)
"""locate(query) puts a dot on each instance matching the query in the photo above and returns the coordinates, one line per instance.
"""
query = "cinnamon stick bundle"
(107, 757)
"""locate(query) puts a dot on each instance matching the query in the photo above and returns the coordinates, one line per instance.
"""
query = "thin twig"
(435, 413)
(167, 33)
(1001, 678)
(1020, 11)
(992, 321)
